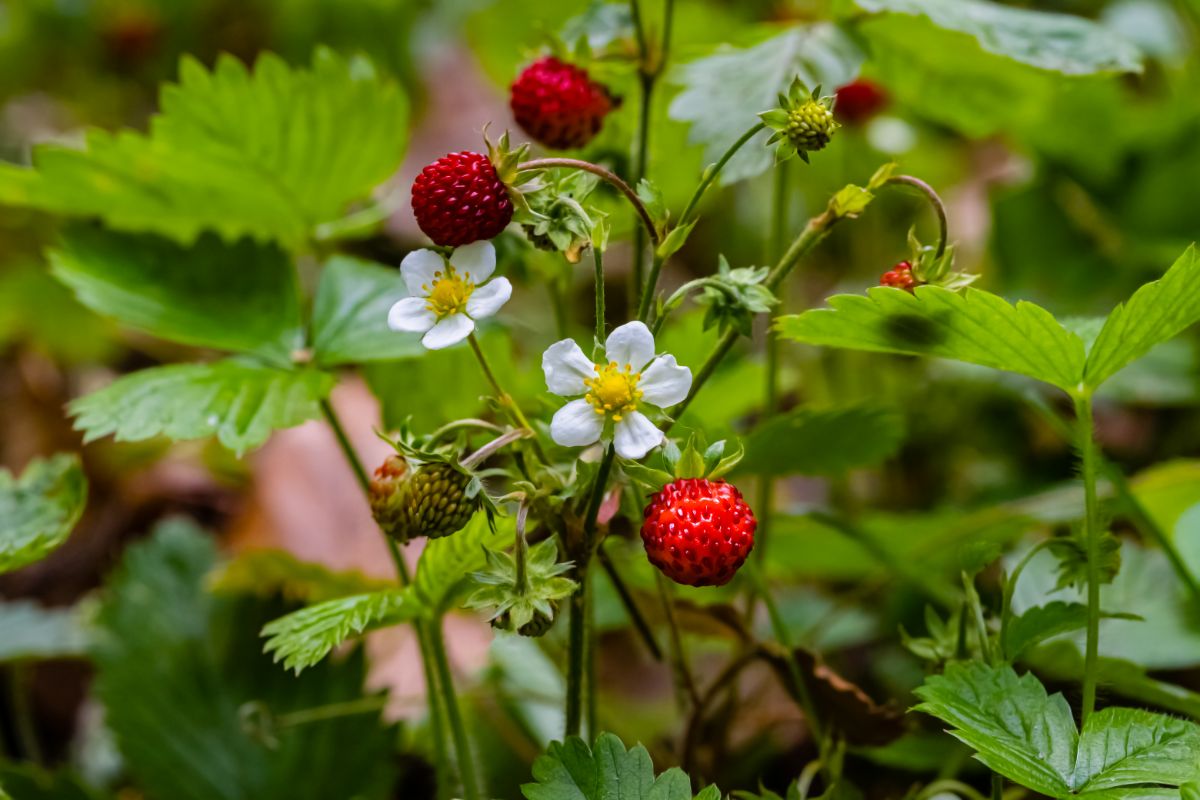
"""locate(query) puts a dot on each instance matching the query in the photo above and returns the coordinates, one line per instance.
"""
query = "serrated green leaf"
(350, 314)
(192, 701)
(1127, 746)
(571, 770)
(446, 564)
(267, 573)
(1041, 623)
(31, 631)
(272, 153)
(1018, 730)
(240, 296)
(973, 326)
(724, 93)
(304, 637)
(238, 402)
(39, 509)
(1158, 311)
(982, 67)
(814, 441)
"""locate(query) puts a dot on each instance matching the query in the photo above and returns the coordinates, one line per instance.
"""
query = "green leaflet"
(39, 509)
(1158, 311)
(350, 314)
(723, 93)
(241, 296)
(813, 441)
(304, 637)
(973, 326)
(238, 402)
(272, 153)
(1030, 737)
(571, 770)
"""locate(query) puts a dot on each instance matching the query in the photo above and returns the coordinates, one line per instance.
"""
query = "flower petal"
(636, 435)
(451, 330)
(665, 383)
(476, 261)
(576, 424)
(411, 314)
(417, 269)
(566, 368)
(487, 299)
(631, 344)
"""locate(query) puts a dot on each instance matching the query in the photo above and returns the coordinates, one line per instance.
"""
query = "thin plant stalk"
(514, 411)
(939, 208)
(605, 174)
(598, 261)
(1089, 457)
(26, 725)
(631, 607)
(458, 729)
(424, 643)
(685, 683)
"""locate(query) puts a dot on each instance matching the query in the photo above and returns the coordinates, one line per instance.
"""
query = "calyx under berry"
(803, 122)
(523, 597)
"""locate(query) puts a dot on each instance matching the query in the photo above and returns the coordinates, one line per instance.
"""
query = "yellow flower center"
(449, 293)
(614, 390)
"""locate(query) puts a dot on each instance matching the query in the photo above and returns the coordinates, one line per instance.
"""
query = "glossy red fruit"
(900, 277)
(698, 531)
(558, 104)
(460, 199)
(858, 101)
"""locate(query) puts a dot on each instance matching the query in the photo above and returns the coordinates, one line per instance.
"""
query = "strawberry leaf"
(571, 770)
(39, 509)
(350, 314)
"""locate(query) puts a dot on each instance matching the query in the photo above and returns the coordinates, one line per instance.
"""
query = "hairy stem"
(580, 622)
(598, 261)
(710, 175)
(606, 174)
(1086, 443)
(424, 642)
(514, 411)
(939, 208)
(462, 745)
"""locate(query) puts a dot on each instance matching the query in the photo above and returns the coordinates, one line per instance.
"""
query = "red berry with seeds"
(899, 277)
(460, 199)
(558, 104)
(858, 101)
(698, 532)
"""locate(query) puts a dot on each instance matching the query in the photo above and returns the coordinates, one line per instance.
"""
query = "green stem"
(23, 717)
(580, 620)
(710, 175)
(521, 549)
(631, 607)
(559, 305)
(598, 261)
(1088, 454)
(363, 705)
(814, 232)
(608, 175)
(939, 208)
(514, 411)
(424, 642)
(685, 683)
(784, 637)
(462, 745)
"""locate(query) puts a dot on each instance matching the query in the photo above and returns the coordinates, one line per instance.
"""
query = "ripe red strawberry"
(698, 531)
(900, 277)
(858, 101)
(460, 199)
(558, 104)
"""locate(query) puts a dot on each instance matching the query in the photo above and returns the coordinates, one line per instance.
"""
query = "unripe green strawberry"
(810, 126)
(436, 501)
(539, 625)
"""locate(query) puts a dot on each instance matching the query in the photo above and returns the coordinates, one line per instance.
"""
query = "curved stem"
(1086, 443)
(521, 548)
(462, 745)
(714, 171)
(631, 607)
(514, 411)
(947, 785)
(1010, 587)
(606, 174)
(935, 200)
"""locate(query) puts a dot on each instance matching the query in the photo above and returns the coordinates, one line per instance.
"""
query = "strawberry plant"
(945, 541)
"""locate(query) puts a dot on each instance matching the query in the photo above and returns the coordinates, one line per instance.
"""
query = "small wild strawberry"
(460, 199)
(698, 531)
(558, 104)
(858, 101)
(430, 499)
(900, 277)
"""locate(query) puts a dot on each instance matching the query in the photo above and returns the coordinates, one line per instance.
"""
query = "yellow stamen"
(614, 390)
(449, 293)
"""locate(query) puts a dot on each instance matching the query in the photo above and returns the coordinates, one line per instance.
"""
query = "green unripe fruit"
(429, 500)
(810, 126)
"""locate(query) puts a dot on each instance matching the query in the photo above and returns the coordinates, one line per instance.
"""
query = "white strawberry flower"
(446, 297)
(613, 392)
